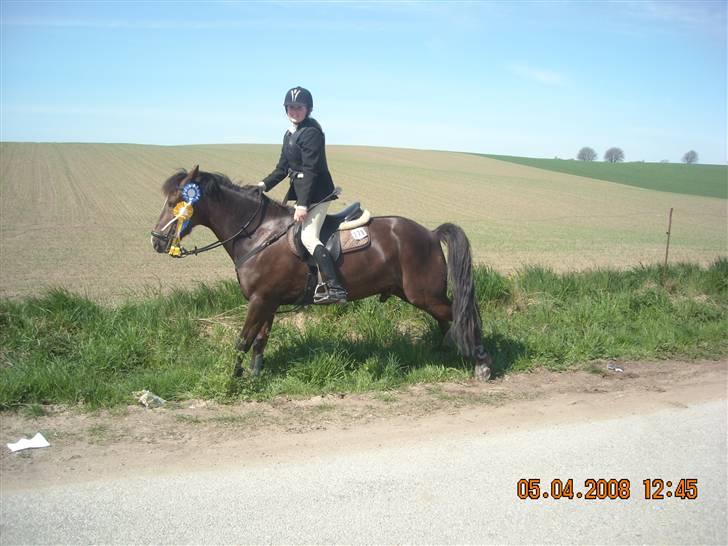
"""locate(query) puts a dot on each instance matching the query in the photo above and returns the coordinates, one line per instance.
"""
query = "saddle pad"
(354, 239)
(350, 241)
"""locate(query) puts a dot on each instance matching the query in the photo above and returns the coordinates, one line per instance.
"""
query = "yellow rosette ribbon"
(182, 212)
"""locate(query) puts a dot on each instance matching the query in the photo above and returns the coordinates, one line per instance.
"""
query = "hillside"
(702, 180)
(79, 215)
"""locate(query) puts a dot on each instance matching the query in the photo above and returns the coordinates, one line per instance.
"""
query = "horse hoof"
(237, 371)
(482, 365)
(482, 372)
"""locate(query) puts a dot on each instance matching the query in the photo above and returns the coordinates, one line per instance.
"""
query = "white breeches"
(312, 226)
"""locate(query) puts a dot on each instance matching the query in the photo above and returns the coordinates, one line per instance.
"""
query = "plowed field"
(79, 215)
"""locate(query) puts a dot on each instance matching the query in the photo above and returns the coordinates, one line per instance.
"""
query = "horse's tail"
(466, 328)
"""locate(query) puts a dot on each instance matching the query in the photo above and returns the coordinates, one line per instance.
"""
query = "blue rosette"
(191, 193)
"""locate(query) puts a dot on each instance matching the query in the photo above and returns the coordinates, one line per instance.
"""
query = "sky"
(535, 79)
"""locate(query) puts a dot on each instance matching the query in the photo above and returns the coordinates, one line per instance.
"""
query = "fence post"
(667, 247)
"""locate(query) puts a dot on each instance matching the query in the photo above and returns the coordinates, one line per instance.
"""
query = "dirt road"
(437, 464)
(199, 435)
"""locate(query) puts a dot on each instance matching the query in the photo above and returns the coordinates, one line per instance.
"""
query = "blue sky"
(538, 79)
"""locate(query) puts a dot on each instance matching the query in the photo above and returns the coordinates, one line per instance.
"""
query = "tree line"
(616, 155)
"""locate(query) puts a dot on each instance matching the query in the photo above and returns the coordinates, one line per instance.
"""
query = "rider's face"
(296, 112)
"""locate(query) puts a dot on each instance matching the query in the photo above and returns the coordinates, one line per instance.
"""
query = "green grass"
(65, 348)
(702, 180)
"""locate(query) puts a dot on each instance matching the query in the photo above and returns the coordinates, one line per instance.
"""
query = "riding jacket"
(303, 160)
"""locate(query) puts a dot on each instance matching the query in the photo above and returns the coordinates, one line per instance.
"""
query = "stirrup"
(325, 294)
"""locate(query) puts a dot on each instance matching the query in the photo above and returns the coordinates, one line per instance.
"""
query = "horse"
(403, 259)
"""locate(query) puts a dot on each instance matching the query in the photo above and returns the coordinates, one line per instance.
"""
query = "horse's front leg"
(256, 364)
(259, 319)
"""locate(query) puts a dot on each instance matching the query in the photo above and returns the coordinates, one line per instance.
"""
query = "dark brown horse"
(404, 259)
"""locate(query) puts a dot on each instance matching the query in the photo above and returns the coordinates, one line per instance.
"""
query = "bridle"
(181, 252)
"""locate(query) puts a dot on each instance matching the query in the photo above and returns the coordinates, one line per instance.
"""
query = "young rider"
(303, 161)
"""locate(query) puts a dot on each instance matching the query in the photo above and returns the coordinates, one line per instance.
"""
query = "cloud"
(539, 75)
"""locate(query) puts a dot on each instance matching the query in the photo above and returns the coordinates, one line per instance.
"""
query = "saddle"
(341, 233)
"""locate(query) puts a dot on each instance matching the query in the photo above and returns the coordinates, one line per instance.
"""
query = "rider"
(303, 160)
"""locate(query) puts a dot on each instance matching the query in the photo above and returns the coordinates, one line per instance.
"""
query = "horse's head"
(176, 219)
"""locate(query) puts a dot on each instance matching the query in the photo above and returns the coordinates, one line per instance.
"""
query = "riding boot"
(330, 291)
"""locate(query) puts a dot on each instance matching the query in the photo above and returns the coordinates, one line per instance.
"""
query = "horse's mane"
(212, 183)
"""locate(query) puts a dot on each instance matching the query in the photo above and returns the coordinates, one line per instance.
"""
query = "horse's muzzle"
(162, 241)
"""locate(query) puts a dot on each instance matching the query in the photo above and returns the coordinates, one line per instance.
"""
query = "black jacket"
(303, 159)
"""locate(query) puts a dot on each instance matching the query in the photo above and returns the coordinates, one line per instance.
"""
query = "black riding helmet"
(298, 95)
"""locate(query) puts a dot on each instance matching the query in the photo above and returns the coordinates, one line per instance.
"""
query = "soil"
(200, 435)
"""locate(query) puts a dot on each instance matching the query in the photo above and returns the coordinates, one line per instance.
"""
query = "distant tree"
(614, 155)
(690, 157)
(586, 154)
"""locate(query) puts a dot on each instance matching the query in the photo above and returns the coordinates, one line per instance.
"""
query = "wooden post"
(667, 248)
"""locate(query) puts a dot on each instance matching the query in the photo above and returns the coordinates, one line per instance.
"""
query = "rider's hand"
(261, 186)
(300, 215)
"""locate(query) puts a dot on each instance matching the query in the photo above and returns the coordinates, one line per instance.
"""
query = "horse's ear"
(189, 177)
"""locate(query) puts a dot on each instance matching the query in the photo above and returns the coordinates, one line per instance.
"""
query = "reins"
(261, 247)
(195, 251)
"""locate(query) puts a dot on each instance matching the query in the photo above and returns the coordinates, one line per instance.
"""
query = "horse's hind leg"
(424, 284)
(441, 311)
(438, 307)
(444, 328)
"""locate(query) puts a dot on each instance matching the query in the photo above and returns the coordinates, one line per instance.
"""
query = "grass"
(701, 180)
(65, 348)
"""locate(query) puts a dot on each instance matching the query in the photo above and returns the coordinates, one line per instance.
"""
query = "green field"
(703, 180)
(78, 216)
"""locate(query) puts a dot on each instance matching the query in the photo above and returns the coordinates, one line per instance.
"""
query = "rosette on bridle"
(183, 212)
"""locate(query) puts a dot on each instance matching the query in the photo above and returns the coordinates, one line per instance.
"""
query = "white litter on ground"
(149, 400)
(36, 441)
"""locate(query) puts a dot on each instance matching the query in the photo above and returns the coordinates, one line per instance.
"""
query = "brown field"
(79, 215)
